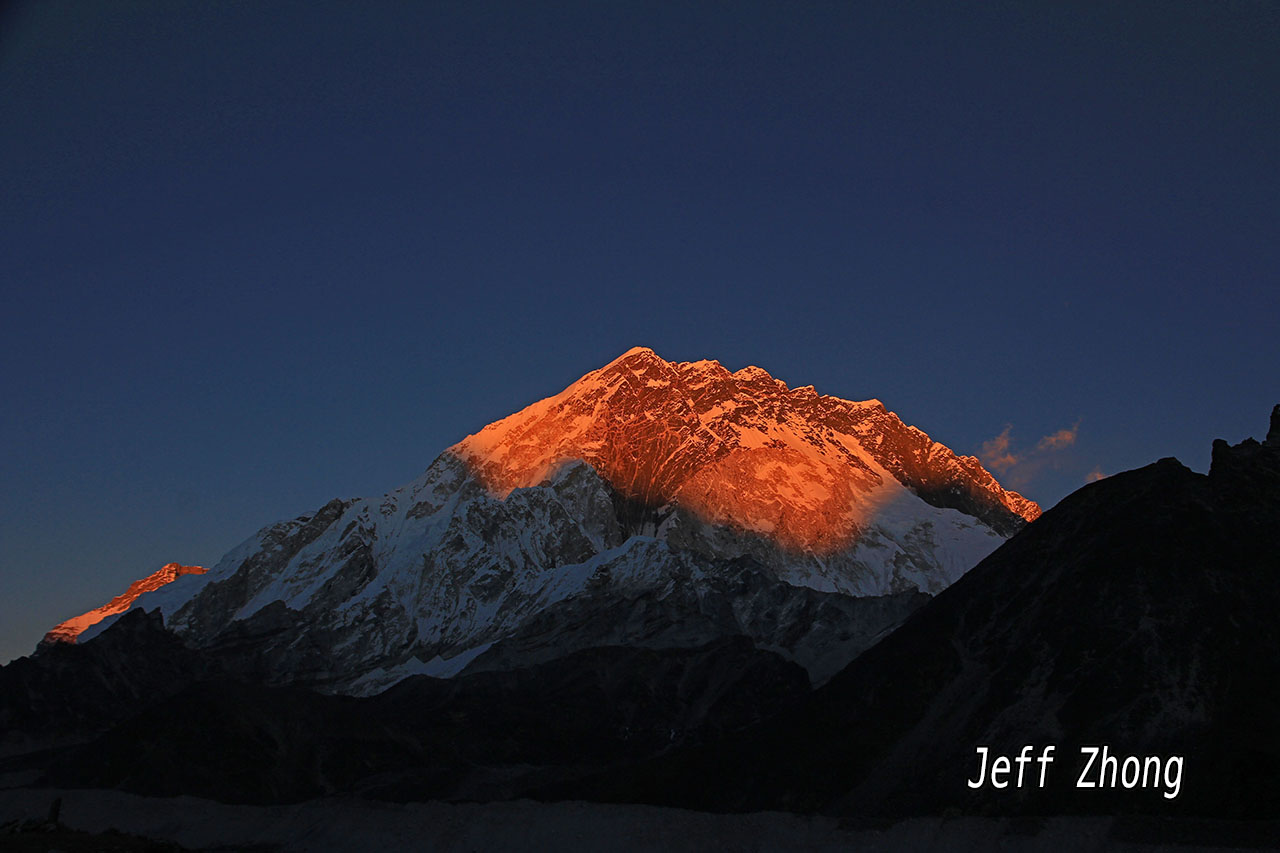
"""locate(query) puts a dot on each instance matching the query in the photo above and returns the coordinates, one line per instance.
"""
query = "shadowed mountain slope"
(1139, 613)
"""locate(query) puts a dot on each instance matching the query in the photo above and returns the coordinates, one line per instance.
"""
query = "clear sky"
(256, 255)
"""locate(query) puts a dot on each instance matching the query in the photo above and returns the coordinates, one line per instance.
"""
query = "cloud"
(1060, 439)
(995, 452)
(1019, 467)
(1095, 475)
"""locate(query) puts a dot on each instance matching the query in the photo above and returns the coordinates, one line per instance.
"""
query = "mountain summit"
(651, 503)
(738, 449)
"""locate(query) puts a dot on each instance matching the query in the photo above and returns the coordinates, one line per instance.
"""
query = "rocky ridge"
(1138, 613)
(68, 630)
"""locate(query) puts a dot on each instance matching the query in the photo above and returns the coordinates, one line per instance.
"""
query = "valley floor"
(358, 825)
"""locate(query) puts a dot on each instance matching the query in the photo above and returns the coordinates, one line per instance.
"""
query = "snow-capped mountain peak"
(739, 449)
(648, 503)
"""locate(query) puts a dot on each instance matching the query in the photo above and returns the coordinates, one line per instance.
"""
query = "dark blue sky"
(258, 255)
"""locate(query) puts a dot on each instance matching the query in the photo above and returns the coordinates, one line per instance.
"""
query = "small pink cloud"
(1060, 439)
(995, 452)
(1020, 467)
(1094, 476)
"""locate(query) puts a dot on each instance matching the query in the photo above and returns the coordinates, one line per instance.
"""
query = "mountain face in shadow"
(1138, 614)
(492, 735)
(68, 693)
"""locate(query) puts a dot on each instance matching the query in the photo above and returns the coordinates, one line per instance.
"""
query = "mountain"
(1138, 614)
(68, 631)
(689, 502)
(490, 735)
(136, 709)
(68, 692)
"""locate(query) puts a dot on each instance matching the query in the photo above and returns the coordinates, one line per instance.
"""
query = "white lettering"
(1045, 760)
(1174, 783)
(1000, 765)
(1093, 753)
(982, 767)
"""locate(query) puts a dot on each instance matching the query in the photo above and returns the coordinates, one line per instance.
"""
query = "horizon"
(260, 258)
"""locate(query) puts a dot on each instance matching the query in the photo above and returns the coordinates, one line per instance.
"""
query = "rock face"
(68, 692)
(1138, 613)
(68, 631)
(821, 631)
(492, 735)
(697, 495)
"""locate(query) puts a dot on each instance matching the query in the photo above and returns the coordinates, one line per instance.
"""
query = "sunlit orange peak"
(740, 449)
(68, 631)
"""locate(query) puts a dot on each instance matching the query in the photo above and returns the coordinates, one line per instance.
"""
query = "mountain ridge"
(69, 629)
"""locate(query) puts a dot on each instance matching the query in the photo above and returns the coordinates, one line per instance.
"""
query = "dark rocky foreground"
(490, 735)
(340, 825)
(1139, 613)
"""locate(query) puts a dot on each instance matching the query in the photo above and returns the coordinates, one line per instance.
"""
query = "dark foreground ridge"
(1139, 613)
(202, 731)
